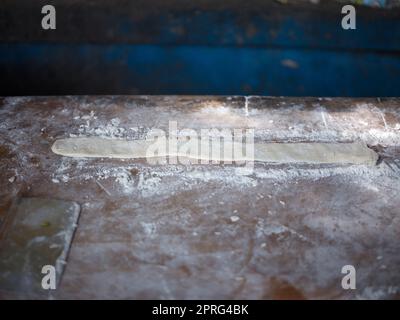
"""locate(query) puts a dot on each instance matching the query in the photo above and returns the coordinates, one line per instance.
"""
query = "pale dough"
(344, 153)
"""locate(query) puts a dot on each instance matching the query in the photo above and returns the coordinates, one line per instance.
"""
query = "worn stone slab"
(204, 231)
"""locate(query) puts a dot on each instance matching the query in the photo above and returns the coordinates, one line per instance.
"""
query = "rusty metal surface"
(203, 231)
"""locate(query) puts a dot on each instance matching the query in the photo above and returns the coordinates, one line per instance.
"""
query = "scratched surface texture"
(205, 231)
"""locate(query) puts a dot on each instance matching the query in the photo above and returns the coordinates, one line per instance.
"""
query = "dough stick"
(340, 153)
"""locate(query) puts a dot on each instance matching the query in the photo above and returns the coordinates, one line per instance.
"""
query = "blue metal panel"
(250, 23)
(198, 47)
(265, 30)
(155, 69)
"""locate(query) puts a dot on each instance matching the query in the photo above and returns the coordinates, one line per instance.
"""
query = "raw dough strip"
(341, 153)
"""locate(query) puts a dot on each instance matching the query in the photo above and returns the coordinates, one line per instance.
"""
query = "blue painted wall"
(198, 70)
(252, 50)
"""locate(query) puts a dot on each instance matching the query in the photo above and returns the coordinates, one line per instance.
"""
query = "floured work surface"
(36, 233)
(205, 231)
